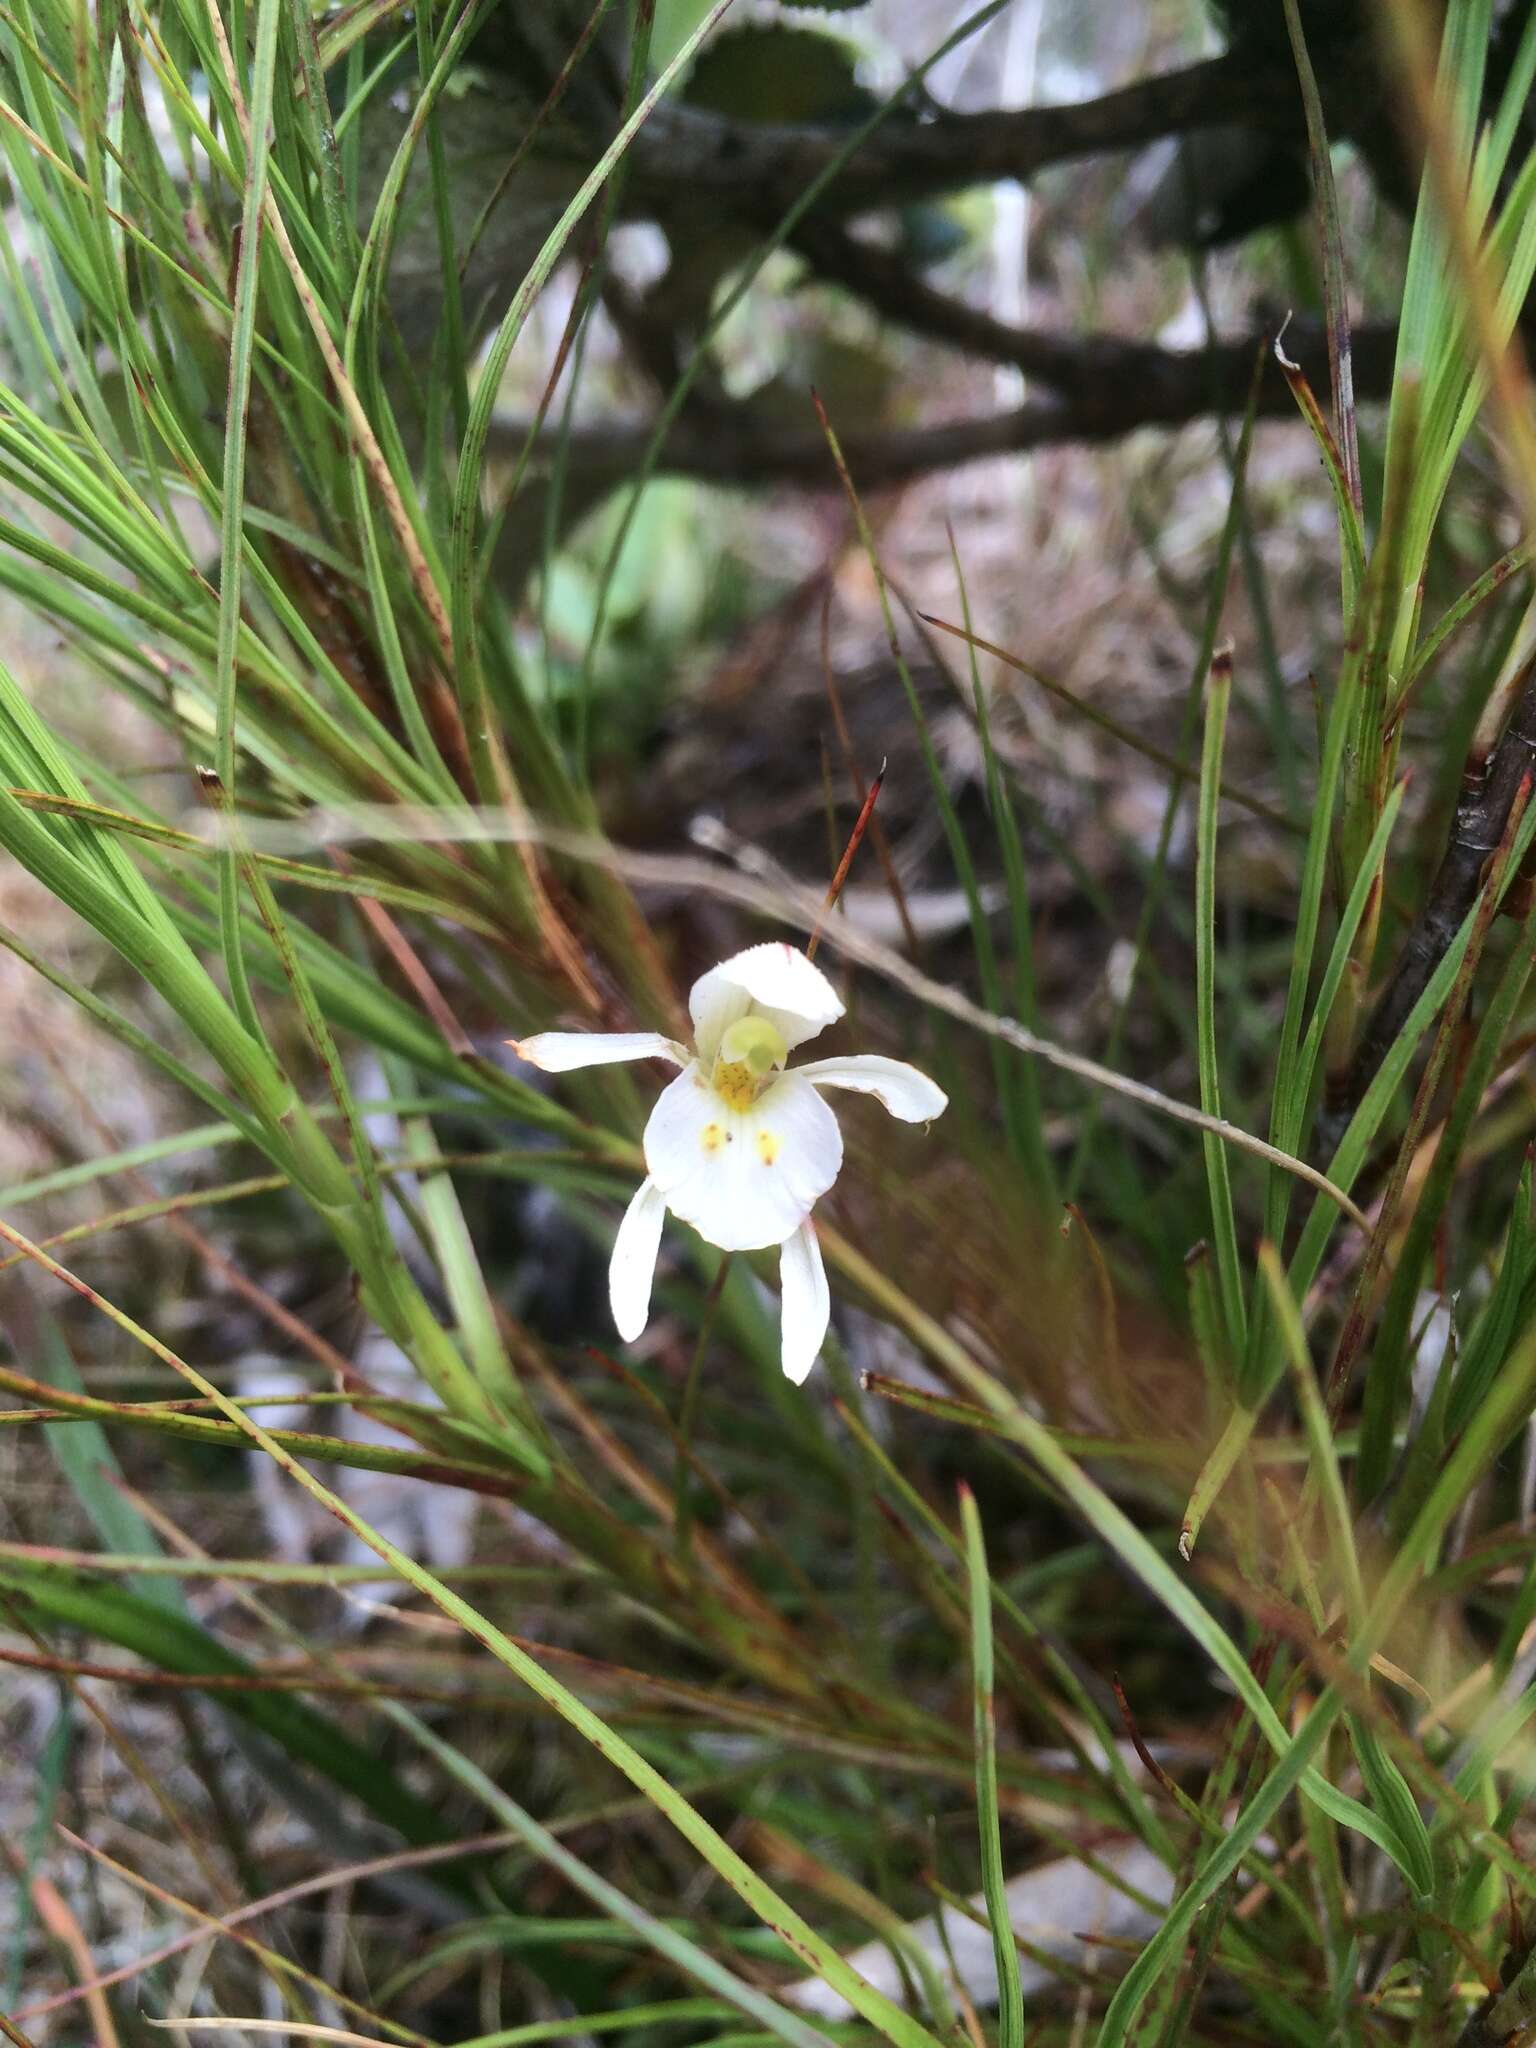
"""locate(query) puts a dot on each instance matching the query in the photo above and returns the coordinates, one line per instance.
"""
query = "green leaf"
(773, 71)
(1488, 1342)
(1397, 1807)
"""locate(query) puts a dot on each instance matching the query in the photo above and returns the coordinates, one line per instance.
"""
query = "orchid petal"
(743, 1178)
(633, 1266)
(903, 1090)
(775, 981)
(561, 1052)
(806, 1302)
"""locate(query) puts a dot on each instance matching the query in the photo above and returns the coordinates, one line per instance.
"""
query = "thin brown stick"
(878, 835)
(1149, 1762)
(410, 964)
(855, 838)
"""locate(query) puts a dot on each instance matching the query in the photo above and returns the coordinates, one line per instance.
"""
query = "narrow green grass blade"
(1010, 1994)
(1456, 615)
(1343, 1168)
(1350, 1155)
(469, 1297)
(1102, 1752)
(1324, 1476)
(486, 1473)
(86, 1458)
(660, 2013)
(1488, 1344)
(1351, 537)
(1335, 293)
(1303, 1076)
(232, 493)
(1218, 1179)
(1390, 1797)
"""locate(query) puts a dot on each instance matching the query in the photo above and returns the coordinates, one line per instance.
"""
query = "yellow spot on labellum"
(767, 1147)
(736, 1084)
(713, 1137)
(752, 1051)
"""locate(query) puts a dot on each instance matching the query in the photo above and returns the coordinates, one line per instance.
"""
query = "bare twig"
(1080, 366)
(764, 166)
(884, 280)
(1115, 387)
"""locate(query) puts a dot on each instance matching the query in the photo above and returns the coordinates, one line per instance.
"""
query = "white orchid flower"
(740, 1145)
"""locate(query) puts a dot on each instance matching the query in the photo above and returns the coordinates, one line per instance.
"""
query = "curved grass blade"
(232, 504)
(1218, 1180)
(1010, 1995)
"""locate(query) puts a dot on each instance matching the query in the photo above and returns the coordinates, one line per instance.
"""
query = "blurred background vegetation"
(485, 490)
